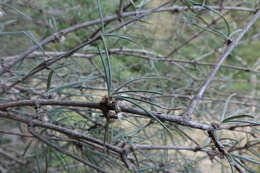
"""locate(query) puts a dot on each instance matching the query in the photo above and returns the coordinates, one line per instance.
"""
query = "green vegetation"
(95, 86)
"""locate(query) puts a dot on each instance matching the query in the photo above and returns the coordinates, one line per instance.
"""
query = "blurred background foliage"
(82, 78)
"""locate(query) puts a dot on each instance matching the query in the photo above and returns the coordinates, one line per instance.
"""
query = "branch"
(41, 138)
(229, 49)
(207, 99)
(64, 32)
(66, 131)
(8, 155)
(156, 147)
(94, 37)
(141, 53)
(16, 134)
(171, 118)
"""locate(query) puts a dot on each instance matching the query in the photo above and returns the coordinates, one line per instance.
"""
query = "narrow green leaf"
(126, 83)
(49, 80)
(190, 4)
(70, 85)
(108, 63)
(144, 101)
(136, 91)
(249, 122)
(18, 11)
(133, 80)
(252, 151)
(26, 148)
(28, 34)
(230, 139)
(144, 169)
(222, 168)
(101, 16)
(150, 113)
(231, 162)
(105, 70)
(53, 23)
(37, 157)
(34, 40)
(218, 33)
(236, 143)
(91, 157)
(226, 105)
(46, 153)
(247, 158)
(244, 166)
(132, 2)
(219, 14)
(121, 36)
(228, 119)
(12, 33)
(61, 159)
(39, 66)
